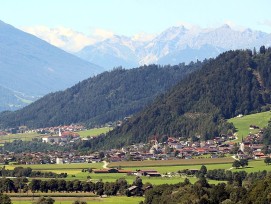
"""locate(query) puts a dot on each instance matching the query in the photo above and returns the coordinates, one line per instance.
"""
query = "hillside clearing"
(242, 124)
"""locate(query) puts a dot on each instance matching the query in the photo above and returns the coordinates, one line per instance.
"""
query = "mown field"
(59, 167)
(94, 132)
(152, 163)
(21, 136)
(242, 124)
(92, 200)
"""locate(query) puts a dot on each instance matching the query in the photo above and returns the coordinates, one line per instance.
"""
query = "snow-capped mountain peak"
(174, 45)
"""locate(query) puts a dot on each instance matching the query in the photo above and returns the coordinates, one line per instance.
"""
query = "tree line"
(21, 184)
(28, 172)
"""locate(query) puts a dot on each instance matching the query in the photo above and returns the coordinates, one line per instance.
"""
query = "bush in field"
(79, 202)
(44, 200)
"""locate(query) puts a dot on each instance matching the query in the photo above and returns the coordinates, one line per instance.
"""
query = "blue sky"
(128, 17)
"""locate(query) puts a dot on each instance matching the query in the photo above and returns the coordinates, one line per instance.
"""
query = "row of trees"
(60, 185)
(28, 172)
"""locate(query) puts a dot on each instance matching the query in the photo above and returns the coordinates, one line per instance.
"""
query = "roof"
(132, 188)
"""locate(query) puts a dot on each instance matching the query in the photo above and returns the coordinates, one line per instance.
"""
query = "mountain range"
(31, 67)
(174, 45)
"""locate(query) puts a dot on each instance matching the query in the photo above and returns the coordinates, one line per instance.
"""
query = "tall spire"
(59, 132)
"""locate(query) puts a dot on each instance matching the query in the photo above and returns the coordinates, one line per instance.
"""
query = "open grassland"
(255, 166)
(181, 162)
(242, 124)
(59, 167)
(19, 136)
(94, 132)
(92, 200)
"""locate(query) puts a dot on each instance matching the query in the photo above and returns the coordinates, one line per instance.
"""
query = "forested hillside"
(106, 97)
(236, 82)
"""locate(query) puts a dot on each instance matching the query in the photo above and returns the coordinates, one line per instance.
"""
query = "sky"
(103, 18)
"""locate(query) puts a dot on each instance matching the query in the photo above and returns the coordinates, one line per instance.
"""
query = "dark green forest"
(109, 96)
(236, 82)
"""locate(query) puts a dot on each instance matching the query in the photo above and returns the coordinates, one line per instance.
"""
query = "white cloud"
(64, 38)
(73, 41)
(68, 39)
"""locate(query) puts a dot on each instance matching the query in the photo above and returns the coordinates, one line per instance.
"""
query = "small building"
(51, 139)
(59, 160)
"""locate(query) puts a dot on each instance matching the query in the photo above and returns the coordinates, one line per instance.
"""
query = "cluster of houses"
(62, 138)
(54, 157)
(47, 130)
(251, 147)
(173, 148)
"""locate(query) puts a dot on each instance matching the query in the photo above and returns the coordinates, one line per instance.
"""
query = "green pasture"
(19, 136)
(177, 162)
(94, 132)
(242, 124)
(92, 200)
(60, 167)
(255, 166)
(167, 169)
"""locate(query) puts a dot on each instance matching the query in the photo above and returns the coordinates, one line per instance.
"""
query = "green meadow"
(19, 136)
(94, 132)
(59, 167)
(242, 124)
(92, 200)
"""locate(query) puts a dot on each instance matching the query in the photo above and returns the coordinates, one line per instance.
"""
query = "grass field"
(94, 132)
(182, 162)
(255, 166)
(92, 200)
(242, 124)
(59, 167)
(21, 136)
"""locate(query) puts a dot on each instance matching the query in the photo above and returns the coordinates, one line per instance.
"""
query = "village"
(171, 149)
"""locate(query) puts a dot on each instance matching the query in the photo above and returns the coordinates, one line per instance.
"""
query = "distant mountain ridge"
(33, 67)
(174, 45)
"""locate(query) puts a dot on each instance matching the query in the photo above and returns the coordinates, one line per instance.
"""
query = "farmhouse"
(51, 139)
(105, 171)
(151, 173)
